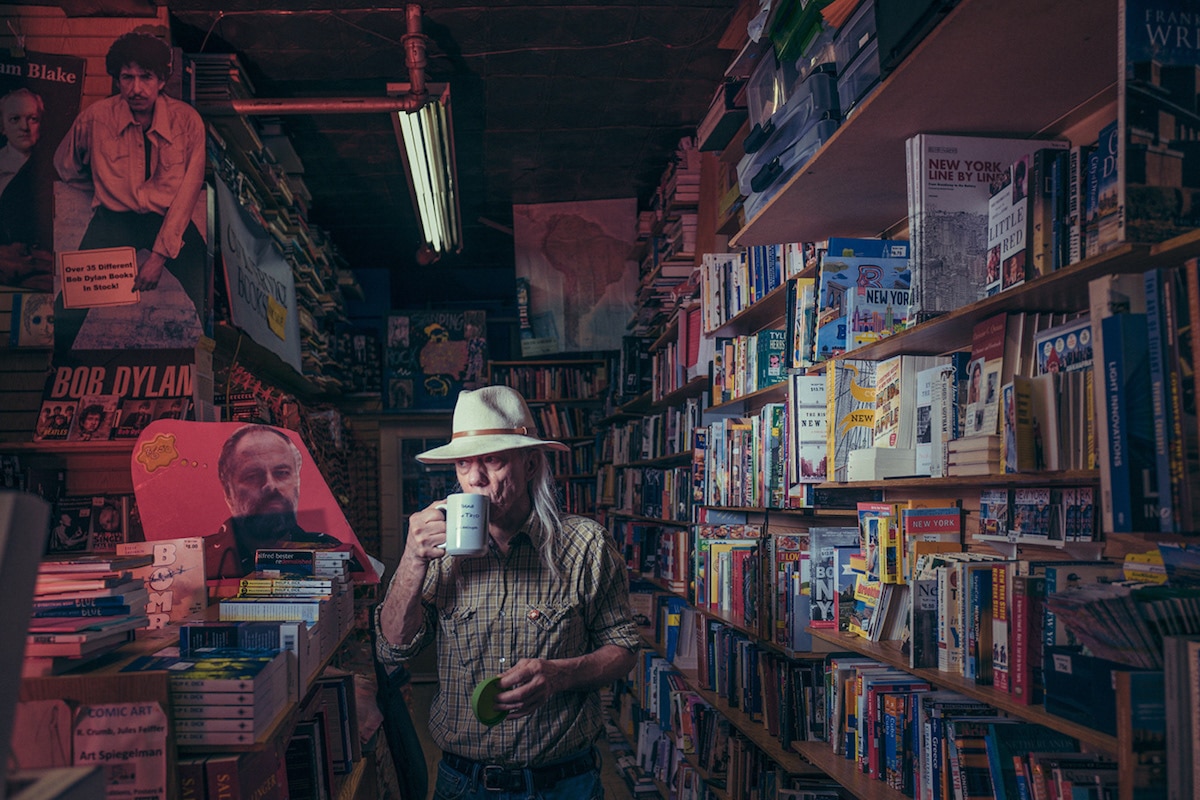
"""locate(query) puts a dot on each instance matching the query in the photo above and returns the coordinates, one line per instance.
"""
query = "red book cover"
(256, 775)
(1026, 655)
(693, 339)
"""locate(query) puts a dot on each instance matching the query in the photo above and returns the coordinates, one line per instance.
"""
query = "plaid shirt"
(493, 610)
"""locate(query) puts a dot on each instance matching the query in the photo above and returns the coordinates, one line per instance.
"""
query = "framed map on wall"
(582, 278)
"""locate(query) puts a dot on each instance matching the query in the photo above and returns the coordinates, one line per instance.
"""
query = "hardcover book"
(994, 512)
(850, 398)
(70, 526)
(176, 578)
(1006, 227)
(827, 582)
(801, 322)
(109, 523)
(877, 302)
(896, 400)
(922, 624)
(1154, 46)
(219, 670)
(948, 215)
(985, 376)
(840, 275)
(1133, 484)
(807, 414)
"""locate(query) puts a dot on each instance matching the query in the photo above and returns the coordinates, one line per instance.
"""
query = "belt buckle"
(495, 778)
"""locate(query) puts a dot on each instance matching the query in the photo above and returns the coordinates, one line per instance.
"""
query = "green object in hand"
(483, 702)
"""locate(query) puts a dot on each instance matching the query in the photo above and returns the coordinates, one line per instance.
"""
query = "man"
(91, 418)
(143, 154)
(21, 123)
(546, 609)
(139, 418)
(259, 470)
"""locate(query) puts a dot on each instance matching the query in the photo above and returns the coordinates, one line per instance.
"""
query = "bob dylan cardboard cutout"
(256, 496)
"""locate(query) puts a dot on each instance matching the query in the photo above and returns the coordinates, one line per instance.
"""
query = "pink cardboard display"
(175, 480)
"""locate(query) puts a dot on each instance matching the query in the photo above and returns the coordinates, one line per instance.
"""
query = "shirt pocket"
(551, 630)
(464, 639)
(113, 150)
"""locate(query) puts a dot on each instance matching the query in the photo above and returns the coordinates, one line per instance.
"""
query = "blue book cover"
(1006, 741)
(837, 277)
(878, 301)
(1130, 421)
(1105, 213)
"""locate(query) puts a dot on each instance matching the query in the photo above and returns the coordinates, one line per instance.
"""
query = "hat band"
(521, 431)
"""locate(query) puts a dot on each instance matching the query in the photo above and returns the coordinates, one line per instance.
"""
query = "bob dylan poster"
(53, 84)
(180, 493)
(164, 317)
(582, 280)
(432, 355)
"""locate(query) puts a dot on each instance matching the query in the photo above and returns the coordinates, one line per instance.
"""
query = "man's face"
(139, 87)
(108, 519)
(21, 121)
(503, 477)
(264, 478)
(90, 421)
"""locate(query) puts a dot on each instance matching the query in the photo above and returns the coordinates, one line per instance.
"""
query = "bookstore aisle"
(615, 787)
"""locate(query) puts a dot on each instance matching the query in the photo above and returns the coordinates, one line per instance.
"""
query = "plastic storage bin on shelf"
(796, 132)
(859, 78)
(854, 35)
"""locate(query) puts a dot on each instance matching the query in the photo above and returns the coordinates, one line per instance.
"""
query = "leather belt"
(497, 778)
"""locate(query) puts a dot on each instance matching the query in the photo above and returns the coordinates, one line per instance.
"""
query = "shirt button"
(533, 613)
(502, 660)
(501, 615)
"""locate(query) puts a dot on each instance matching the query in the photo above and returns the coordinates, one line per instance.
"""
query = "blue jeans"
(454, 785)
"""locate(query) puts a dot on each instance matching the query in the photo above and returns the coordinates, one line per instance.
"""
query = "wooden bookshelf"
(769, 309)
(889, 653)
(1083, 477)
(752, 729)
(845, 772)
(854, 185)
(674, 523)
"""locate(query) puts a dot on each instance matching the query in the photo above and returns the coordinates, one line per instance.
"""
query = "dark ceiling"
(552, 102)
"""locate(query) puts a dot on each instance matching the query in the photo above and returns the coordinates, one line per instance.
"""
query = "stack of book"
(84, 606)
(298, 584)
(974, 455)
(222, 696)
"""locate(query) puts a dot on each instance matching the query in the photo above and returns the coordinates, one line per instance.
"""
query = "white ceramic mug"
(466, 524)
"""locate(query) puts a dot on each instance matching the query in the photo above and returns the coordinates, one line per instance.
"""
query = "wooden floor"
(615, 787)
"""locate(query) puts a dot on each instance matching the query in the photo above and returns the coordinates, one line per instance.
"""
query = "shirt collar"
(531, 529)
(158, 123)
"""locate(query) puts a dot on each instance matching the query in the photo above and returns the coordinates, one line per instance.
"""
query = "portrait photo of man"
(259, 469)
(40, 95)
(21, 113)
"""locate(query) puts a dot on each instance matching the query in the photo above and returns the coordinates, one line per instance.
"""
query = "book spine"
(1134, 484)
(82, 611)
(191, 776)
(1000, 629)
(1156, 349)
(1026, 650)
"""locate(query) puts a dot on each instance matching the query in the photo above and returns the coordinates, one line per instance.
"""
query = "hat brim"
(472, 446)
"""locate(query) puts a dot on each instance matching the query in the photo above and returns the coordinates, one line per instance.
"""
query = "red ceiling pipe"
(414, 58)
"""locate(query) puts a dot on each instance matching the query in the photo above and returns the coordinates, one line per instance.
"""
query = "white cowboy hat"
(489, 420)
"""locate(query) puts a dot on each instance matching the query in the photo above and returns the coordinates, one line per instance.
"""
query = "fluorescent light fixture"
(426, 138)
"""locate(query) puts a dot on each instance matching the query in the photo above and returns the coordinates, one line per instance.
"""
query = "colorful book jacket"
(850, 395)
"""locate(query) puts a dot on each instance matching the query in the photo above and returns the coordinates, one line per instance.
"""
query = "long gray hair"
(543, 492)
